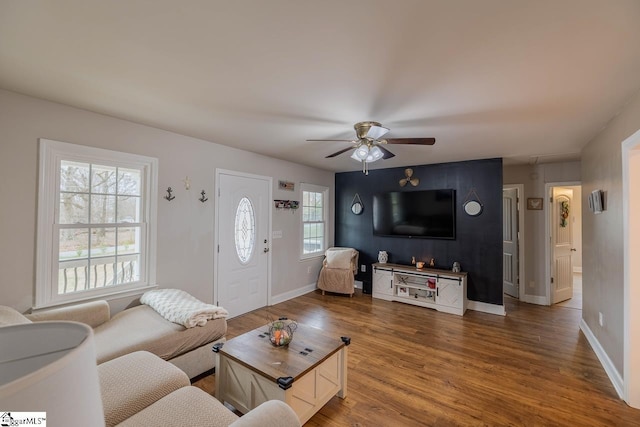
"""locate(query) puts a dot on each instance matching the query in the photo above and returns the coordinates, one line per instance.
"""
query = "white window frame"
(304, 187)
(52, 153)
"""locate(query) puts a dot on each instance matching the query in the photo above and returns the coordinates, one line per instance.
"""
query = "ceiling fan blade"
(337, 153)
(387, 154)
(376, 132)
(414, 141)
(323, 140)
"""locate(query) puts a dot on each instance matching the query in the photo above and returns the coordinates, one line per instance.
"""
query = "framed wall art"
(534, 203)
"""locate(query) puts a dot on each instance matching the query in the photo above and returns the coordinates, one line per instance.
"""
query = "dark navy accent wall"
(478, 242)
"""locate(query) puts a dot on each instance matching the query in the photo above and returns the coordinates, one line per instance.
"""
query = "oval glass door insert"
(245, 230)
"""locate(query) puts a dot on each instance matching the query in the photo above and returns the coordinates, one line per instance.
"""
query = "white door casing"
(510, 274)
(562, 246)
(242, 264)
(631, 213)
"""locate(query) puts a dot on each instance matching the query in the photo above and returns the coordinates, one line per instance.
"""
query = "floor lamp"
(50, 367)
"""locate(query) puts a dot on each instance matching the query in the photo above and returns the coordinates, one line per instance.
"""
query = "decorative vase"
(383, 257)
(456, 267)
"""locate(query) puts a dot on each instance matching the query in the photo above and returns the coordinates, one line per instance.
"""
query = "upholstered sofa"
(140, 389)
(137, 328)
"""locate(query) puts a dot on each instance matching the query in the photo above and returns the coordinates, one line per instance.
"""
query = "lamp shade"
(51, 367)
(375, 153)
(361, 153)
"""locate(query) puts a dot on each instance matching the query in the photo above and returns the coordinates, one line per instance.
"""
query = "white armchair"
(339, 267)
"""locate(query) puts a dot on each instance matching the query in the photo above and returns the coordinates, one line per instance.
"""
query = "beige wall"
(603, 234)
(185, 225)
(534, 178)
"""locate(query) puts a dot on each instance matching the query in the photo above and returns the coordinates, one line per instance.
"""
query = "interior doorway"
(564, 244)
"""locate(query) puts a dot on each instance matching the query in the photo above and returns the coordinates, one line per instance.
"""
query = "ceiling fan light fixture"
(375, 153)
(361, 153)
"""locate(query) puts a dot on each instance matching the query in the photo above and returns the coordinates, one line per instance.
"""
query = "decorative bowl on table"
(281, 331)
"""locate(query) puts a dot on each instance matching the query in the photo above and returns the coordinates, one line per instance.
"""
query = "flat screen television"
(428, 214)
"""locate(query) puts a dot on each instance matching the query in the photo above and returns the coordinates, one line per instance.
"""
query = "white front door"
(562, 245)
(243, 212)
(510, 271)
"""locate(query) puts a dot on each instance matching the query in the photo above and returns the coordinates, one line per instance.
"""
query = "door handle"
(266, 250)
(573, 249)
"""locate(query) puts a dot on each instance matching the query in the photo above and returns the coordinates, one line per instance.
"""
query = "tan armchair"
(339, 267)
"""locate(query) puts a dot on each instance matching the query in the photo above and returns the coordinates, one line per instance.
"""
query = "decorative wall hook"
(203, 198)
(169, 196)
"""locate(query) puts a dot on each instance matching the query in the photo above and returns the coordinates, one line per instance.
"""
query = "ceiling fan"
(368, 147)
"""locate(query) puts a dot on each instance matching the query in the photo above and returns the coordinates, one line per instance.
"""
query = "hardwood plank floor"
(410, 366)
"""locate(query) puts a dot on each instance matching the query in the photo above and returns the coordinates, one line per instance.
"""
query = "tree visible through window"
(313, 220)
(94, 231)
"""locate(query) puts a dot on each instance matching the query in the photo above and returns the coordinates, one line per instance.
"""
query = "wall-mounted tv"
(428, 214)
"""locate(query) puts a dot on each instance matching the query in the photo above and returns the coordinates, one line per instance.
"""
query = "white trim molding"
(630, 153)
(277, 299)
(486, 307)
(605, 361)
(535, 299)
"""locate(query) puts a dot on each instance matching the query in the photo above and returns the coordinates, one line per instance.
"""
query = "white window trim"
(51, 153)
(325, 207)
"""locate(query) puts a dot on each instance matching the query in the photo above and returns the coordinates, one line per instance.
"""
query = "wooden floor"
(410, 366)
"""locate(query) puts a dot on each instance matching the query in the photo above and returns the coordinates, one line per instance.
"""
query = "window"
(314, 217)
(245, 230)
(96, 223)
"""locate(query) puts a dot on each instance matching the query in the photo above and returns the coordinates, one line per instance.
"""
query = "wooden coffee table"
(306, 374)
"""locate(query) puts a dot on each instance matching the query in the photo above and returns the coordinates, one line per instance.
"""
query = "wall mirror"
(356, 205)
(472, 208)
(472, 205)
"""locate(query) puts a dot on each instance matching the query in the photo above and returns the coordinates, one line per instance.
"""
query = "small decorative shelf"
(286, 204)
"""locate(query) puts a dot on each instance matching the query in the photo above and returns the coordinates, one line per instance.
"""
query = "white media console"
(441, 290)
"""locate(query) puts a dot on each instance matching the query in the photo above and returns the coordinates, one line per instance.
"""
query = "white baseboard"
(607, 364)
(534, 299)
(486, 307)
(577, 270)
(276, 299)
(357, 284)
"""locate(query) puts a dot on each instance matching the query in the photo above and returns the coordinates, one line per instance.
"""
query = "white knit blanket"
(179, 307)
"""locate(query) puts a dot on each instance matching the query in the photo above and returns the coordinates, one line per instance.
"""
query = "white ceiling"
(520, 79)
